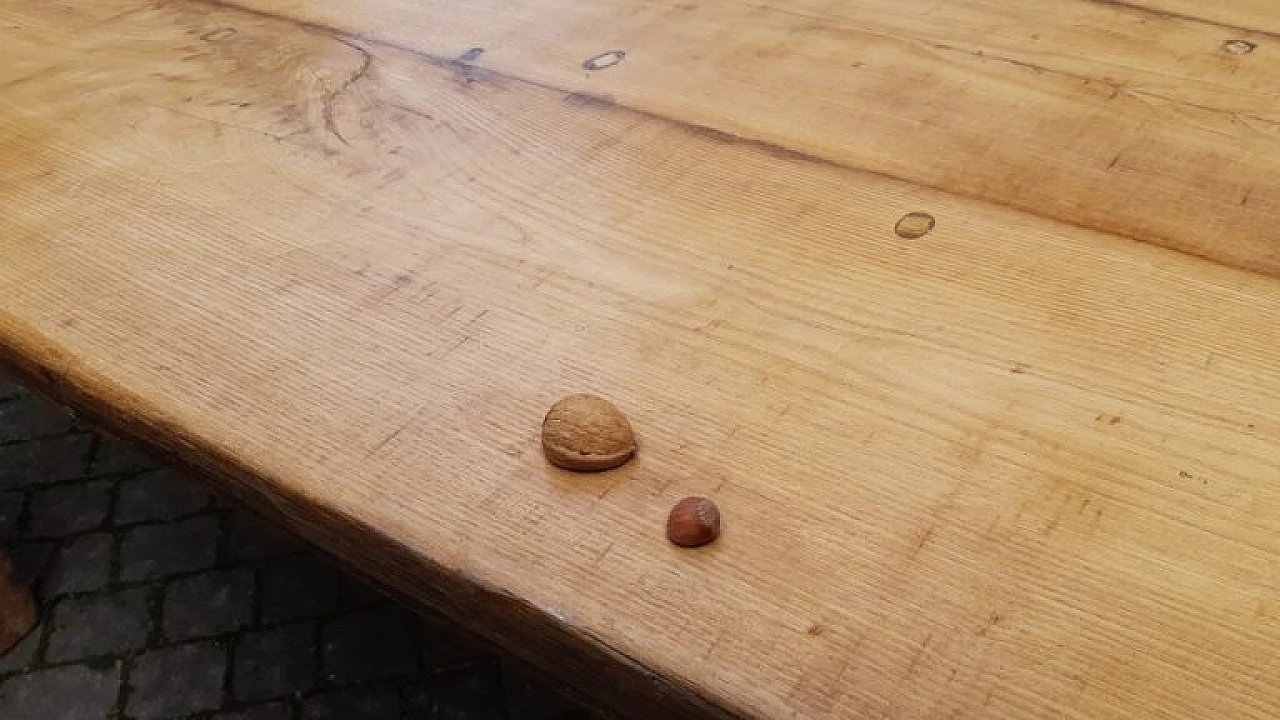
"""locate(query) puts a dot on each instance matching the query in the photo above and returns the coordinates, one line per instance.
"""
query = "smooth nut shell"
(587, 433)
(693, 522)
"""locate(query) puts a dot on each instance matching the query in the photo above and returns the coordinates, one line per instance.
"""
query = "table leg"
(17, 609)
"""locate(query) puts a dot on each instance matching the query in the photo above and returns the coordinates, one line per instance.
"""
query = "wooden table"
(344, 255)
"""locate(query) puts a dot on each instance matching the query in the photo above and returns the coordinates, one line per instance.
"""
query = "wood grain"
(1013, 468)
(1105, 115)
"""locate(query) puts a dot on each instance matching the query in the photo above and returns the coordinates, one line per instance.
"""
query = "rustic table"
(964, 313)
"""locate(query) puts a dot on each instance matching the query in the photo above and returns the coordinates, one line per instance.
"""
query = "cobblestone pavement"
(161, 601)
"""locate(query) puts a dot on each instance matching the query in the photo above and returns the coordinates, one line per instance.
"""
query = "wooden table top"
(344, 255)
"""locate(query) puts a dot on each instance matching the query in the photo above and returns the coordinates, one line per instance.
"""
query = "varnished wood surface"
(1128, 118)
(1015, 468)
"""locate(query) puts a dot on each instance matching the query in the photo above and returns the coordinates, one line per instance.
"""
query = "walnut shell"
(587, 433)
(693, 522)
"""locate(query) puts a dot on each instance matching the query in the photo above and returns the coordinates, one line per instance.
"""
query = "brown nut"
(693, 522)
(587, 433)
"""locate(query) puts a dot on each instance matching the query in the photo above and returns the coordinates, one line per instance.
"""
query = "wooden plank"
(1100, 114)
(1260, 16)
(1011, 469)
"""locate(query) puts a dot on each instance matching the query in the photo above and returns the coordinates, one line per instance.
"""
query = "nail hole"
(471, 55)
(1239, 47)
(914, 225)
(217, 34)
(604, 60)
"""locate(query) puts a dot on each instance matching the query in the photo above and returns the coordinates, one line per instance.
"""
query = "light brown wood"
(1247, 15)
(1127, 119)
(1013, 468)
(17, 609)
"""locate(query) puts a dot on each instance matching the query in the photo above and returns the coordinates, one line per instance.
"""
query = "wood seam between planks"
(352, 39)
(1172, 15)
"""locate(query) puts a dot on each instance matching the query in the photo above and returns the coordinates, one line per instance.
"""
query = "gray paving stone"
(469, 693)
(113, 624)
(164, 494)
(356, 593)
(31, 417)
(10, 514)
(297, 588)
(38, 462)
(253, 540)
(68, 509)
(76, 692)
(211, 604)
(443, 647)
(528, 699)
(360, 704)
(177, 680)
(31, 561)
(270, 711)
(370, 644)
(118, 456)
(22, 654)
(154, 551)
(10, 389)
(83, 565)
(275, 663)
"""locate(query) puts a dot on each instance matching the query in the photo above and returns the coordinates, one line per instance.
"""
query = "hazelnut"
(693, 522)
(587, 433)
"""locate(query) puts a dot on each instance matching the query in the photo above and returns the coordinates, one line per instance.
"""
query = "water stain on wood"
(914, 225)
(604, 61)
(1239, 47)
